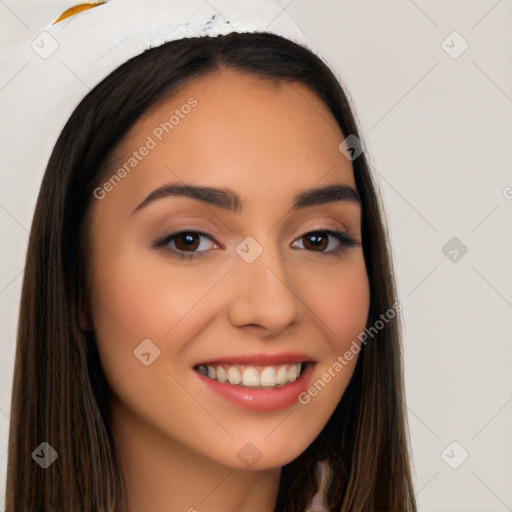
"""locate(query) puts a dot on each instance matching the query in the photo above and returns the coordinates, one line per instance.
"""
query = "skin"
(177, 440)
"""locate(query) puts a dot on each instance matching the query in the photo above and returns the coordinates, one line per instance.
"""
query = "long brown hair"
(60, 394)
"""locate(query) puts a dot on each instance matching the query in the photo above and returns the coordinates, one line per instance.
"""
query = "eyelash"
(162, 242)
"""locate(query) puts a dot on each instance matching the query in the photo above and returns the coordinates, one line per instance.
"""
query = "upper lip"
(262, 359)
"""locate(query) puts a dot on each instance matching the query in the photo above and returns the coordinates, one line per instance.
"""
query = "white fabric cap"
(53, 66)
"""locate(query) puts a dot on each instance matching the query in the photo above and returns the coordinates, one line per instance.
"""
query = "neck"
(160, 474)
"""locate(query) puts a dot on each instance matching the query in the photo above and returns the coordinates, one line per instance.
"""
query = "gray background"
(438, 131)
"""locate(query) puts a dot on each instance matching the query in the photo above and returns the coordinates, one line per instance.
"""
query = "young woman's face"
(185, 285)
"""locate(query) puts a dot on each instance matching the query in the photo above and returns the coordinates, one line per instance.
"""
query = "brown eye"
(186, 244)
(317, 240)
(186, 240)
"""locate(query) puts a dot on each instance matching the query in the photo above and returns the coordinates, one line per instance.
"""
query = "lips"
(261, 359)
(257, 381)
(260, 399)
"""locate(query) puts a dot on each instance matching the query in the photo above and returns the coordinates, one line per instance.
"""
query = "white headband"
(55, 68)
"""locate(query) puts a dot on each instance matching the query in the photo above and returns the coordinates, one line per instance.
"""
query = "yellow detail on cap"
(75, 10)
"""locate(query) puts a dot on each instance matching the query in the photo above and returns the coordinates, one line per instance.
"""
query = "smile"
(253, 376)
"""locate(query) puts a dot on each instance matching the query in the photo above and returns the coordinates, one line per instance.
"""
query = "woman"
(208, 307)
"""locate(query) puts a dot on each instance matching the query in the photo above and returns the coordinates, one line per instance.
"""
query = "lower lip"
(261, 399)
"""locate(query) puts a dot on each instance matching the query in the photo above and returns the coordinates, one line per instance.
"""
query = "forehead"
(237, 130)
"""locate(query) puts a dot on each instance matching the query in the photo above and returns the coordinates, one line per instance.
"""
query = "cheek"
(340, 299)
(340, 302)
(138, 297)
(144, 298)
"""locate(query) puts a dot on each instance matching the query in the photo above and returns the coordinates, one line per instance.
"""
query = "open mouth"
(253, 376)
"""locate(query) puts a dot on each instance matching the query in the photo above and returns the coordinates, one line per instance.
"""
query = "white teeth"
(234, 376)
(268, 376)
(221, 374)
(282, 375)
(251, 376)
(293, 373)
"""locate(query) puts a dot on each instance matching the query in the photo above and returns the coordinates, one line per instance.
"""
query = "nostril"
(76, 9)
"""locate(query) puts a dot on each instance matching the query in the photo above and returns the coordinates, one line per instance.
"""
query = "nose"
(264, 295)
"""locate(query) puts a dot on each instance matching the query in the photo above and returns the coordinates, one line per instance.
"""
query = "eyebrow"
(229, 200)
